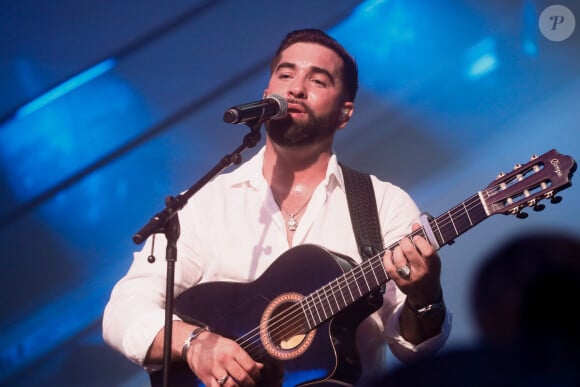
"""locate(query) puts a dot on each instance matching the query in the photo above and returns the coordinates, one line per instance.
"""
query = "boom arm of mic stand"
(156, 224)
(167, 222)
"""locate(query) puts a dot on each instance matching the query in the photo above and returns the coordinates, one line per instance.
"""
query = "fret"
(477, 212)
(385, 276)
(467, 213)
(356, 281)
(338, 307)
(328, 305)
(316, 307)
(349, 289)
(363, 283)
(448, 233)
(458, 220)
(453, 223)
(306, 301)
(364, 276)
(463, 221)
(310, 324)
(376, 282)
(437, 232)
(325, 305)
(345, 303)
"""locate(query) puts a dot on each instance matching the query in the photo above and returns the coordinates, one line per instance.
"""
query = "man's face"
(308, 76)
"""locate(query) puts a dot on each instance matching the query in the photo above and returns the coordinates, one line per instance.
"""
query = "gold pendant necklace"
(292, 222)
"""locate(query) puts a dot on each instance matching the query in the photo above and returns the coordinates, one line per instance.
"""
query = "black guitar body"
(235, 310)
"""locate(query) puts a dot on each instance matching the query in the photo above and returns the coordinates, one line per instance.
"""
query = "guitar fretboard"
(356, 283)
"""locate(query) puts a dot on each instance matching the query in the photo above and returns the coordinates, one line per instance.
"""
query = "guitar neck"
(356, 283)
(449, 225)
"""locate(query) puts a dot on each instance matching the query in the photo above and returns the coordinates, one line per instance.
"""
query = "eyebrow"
(314, 69)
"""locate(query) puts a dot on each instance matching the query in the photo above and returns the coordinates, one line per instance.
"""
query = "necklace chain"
(292, 222)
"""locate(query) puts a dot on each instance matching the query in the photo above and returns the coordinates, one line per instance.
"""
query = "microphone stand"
(167, 222)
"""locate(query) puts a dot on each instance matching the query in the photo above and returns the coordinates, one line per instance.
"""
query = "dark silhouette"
(523, 301)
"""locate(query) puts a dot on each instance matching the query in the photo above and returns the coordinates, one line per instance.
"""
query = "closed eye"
(319, 82)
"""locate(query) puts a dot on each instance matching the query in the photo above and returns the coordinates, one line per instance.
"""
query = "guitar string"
(295, 313)
(311, 303)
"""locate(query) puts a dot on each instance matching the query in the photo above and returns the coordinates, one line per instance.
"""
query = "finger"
(402, 266)
(244, 376)
(408, 248)
(398, 258)
(224, 379)
(249, 366)
(416, 226)
(423, 246)
(388, 261)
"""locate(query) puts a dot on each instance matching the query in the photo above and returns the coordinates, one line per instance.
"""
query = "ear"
(345, 114)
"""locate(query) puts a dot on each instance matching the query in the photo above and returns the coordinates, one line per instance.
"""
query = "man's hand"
(213, 358)
(421, 283)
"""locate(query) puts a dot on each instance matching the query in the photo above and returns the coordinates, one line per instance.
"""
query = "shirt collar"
(334, 176)
(250, 173)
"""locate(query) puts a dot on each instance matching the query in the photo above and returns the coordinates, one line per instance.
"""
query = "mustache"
(295, 101)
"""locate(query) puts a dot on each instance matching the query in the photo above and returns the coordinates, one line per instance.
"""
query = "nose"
(297, 89)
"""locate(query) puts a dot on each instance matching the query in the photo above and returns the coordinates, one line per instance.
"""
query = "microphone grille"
(282, 103)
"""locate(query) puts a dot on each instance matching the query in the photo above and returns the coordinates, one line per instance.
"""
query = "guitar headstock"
(541, 178)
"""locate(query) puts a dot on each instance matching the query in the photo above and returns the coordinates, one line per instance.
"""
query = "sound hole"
(283, 328)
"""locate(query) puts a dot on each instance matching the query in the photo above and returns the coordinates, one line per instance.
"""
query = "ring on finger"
(223, 380)
(404, 271)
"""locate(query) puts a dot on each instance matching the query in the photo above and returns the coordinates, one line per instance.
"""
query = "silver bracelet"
(192, 336)
(427, 308)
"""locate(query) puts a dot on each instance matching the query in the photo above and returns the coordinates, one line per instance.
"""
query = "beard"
(288, 133)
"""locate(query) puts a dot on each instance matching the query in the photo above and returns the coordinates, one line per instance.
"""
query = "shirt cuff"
(140, 337)
(406, 351)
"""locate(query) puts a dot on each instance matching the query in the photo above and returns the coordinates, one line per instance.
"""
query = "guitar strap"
(364, 215)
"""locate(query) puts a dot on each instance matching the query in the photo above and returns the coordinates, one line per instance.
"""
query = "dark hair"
(312, 35)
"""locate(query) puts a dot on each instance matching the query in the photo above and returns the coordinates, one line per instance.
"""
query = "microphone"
(273, 106)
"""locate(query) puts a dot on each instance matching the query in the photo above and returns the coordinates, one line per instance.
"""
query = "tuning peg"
(556, 199)
(522, 215)
(517, 166)
(539, 207)
(500, 175)
(536, 205)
